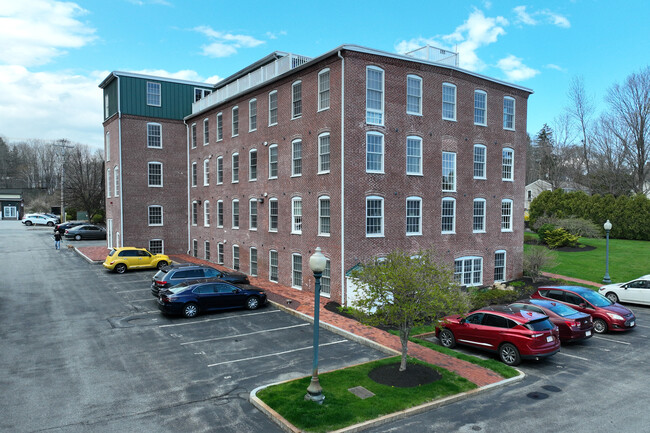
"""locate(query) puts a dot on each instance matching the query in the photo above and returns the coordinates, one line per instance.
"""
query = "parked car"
(190, 300)
(51, 215)
(573, 324)
(122, 259)
(61, 228)
(513, 333)
(174, 274)
(38, 219)
(607, 315)
(85, 231)
(635, 291)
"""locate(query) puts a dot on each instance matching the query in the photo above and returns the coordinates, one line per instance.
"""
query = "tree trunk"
(404, 338)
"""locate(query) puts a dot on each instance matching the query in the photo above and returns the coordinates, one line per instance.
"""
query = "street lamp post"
(607, 226)
(317, 263)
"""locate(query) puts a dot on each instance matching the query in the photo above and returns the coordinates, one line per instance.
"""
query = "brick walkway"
(575, 280)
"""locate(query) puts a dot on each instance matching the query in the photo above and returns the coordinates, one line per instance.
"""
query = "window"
(448, 171)
(325, 280)
(194, 174)
(414, 155)
(235, 214)
(413, 95)
(296, 158)
(108, 146)
(106, 106)
(478, 220)
(155, 215)
(235, 167)
(374, 95)
(195, 212)
(252, 214)
(220, 250)
(220, 213)
(273, 161)
(507, 162)
(108, 183)
(252, 115)
(296, 99)
(448, 101)
(480, 108)
(506, 215)
(500, 266)
(235, 121)
(324, 216)
(155, 174)
(219, 170)
(296, 268)
(206, 172)
(235, 257)
(509, 113)
(154, 135)
(193, 143)
(206, 213)
(374, 152)
(479, 161)
(374, 216)
(468, 271)
(324, 153)
(153, 94)
(116, 181)
(253, 262)
(273, 108)
(448, 215)
(413, 216)
(206, 250)
(252, 165)
(200, 93)
(273, 215)
(206, 132)
(296, 215)
(273, 266)
(324, 89)
(219, 126)
(156, 246)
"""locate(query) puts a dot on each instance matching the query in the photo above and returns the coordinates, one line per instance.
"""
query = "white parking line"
(128, 291)
(573, 356)
(276, 353)
(613, 341)
(244, 335)
(141, 300)
(214, 320)
(642, 326)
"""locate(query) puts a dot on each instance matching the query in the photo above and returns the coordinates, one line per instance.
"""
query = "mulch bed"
(414, 375)
(578, 249)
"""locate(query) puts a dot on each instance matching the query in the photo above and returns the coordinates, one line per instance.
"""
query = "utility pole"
(63, 145)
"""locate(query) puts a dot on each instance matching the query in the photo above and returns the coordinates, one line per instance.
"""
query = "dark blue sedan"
(190, 300)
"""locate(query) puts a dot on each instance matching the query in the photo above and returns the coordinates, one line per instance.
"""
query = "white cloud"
(225, 44)
(557, 19)
(34, 32)
(523, 16)
(556, 67)
(275, 35)
(218, 49)
(531, 19)
(515, 70)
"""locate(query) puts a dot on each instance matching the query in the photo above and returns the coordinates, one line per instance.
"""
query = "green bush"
(560, 238)
(543, 230)
(480, 299)
(580, 227)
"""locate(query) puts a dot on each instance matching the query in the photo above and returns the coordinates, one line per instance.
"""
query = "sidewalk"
(575, 280)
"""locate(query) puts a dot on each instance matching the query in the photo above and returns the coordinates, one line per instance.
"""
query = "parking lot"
(84, 349)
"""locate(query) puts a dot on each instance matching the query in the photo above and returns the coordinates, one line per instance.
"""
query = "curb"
(86, 258)
(288, 427)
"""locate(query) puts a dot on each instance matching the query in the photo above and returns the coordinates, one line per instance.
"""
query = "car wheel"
(50, 224)
(600, 326)
(612, 297)
(77, 237)
(120, 268)
(447, 338)
(252, 303)
(28, 223)
(509, 354)
(190, 310)
(161, 264)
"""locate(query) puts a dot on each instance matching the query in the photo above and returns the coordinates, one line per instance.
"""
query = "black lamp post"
(317, 263)
(607, 226)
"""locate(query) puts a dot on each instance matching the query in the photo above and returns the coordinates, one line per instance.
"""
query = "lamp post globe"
(607, 226)
(317, 263)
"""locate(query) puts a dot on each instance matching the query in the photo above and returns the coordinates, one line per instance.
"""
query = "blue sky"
(53, 54)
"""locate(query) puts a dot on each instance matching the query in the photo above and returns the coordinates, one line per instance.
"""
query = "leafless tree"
(610, 172)
(581, 111)
(84, 180)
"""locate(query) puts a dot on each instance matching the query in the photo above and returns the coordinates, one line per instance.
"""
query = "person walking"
(57, 240)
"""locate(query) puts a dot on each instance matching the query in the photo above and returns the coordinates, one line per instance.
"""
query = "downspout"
(187, 168)
(343, 298)
(119, 151)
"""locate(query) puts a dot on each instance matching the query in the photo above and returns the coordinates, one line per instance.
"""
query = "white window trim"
(485, 112)
(455, 102)
(250, 214)
(383, 96)
(116, 181)
(318, 90)
(293, 114)
(512, 165)
(250, 115)
(108, 183)
(383, 152)
(149, 215)
(472, 258)
(257, 165)
(324, 134)
(274, 92)
(232, 167)
(206, 213)
(219, 162)
(453, 229)
(414, 137)
(274, 230)
(510, 217)
(320, 199)
(219, 121)
(514, 112)
(194, 174)
(206, 246)
(295, 231)
(277, 266)
(162, 244)
(206, 128)
(195, 211)
(193, 136)
(383, 216)
(293, 269)
(293, 159)
(195, 248)
(238, 256)
(419, 200)
(250, 261)
(484, 215)
(232, 214)
(206, 172)
(159, 94)
(505, 262)
(221, 252)
(108, 145)
(418, 78)
(161, 174)
(277, 161)
(232, 121)
(323, 293)
(161, 135)
(455, 172)
(220, 203)
(484, 177)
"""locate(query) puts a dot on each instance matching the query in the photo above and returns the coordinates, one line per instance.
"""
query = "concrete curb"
(85, 257)
(288, 427)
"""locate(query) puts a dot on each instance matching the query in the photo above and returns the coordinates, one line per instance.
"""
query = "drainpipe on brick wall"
(189, 203)
(119, 151)
(343, 299)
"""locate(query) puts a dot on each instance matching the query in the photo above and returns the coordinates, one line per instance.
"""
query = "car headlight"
(614, 316)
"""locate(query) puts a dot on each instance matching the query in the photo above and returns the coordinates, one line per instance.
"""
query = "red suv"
(513, 333)
(607, 315)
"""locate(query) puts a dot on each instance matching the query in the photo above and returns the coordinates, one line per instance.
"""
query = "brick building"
(357, 151)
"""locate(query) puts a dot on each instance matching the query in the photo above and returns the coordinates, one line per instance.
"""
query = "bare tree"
(581, 111)
(84, 183)
(610, 172)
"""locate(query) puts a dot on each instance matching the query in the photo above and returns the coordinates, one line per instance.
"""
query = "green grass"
(627, 260)
(341, 408)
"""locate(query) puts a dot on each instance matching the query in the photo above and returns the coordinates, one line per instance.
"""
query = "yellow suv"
(121, 259)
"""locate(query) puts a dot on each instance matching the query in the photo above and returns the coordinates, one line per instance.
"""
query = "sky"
(54, 54)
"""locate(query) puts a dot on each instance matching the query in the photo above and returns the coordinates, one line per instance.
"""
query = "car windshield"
(539, 325)
(178, 288)
(561, 309)
(597, 299)
(111, 253)
(160, 275)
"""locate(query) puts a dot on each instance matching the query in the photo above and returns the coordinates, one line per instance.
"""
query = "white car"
(635, 291)
(33, 219)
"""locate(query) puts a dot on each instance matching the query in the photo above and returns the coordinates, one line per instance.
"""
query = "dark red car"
(514, 334)
(607, 315)
(573, 325)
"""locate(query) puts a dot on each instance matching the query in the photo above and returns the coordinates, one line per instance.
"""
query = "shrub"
(535, 259)
(543, 230)
(560, 238)
(531, 238)
(580, 227)
(480, 299)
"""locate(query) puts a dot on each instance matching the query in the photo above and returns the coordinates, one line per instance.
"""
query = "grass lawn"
(627, 260)
(341, 408)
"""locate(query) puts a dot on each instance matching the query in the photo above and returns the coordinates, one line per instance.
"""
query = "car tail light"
(572, 323)
(536, 335)
(111, 263)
